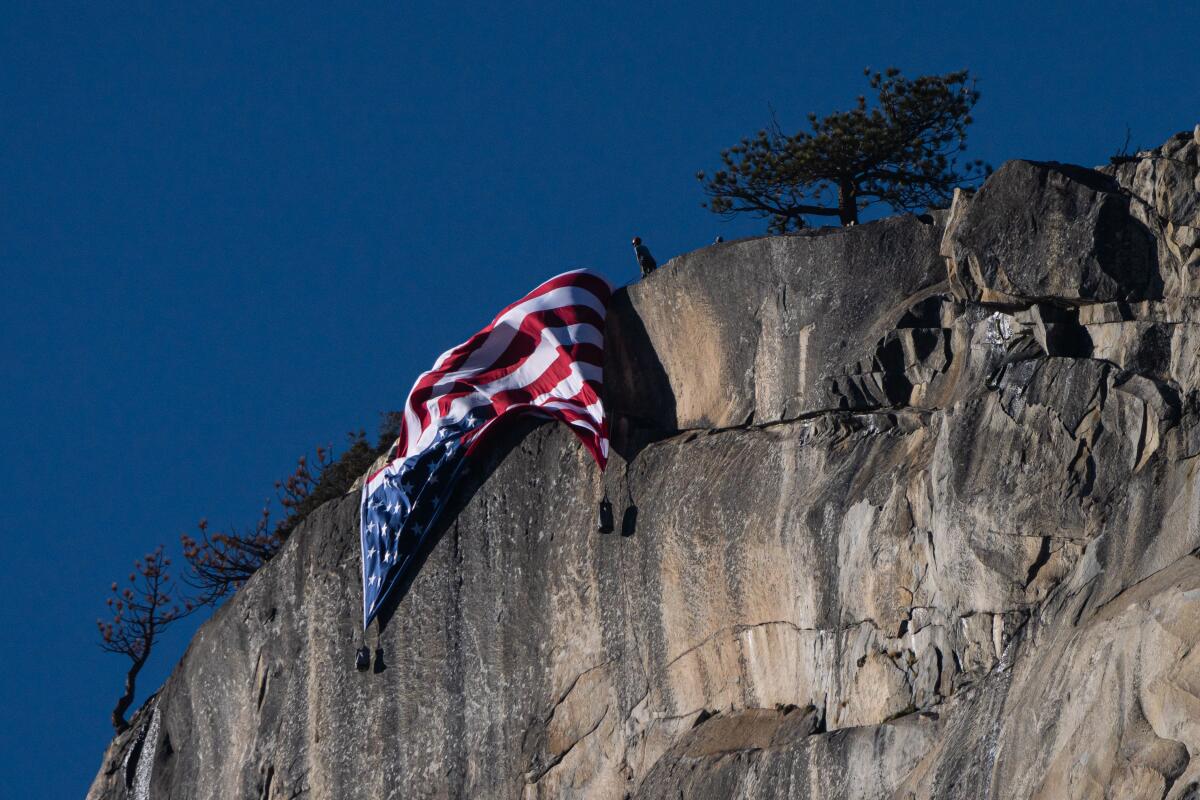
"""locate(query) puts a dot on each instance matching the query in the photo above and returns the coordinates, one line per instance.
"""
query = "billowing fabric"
(542, 355)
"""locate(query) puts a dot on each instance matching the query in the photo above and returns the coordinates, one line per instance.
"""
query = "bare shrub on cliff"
(140, 612)
(901, 150)
(312, 485)
(221, 562)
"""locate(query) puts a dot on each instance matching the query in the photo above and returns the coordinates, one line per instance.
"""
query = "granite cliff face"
(907, 510)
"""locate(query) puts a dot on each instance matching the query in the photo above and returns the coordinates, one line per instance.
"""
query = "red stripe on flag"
(525, 340)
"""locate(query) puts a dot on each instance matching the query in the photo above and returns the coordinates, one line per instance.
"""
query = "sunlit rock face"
(903, 510)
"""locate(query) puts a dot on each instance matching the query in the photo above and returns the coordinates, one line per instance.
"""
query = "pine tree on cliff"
(140, 612)
(901, 151)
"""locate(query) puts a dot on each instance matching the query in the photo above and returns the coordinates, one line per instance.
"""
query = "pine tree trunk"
(848, 203)
(126, 700)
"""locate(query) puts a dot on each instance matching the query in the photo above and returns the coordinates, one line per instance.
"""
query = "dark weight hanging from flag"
(542, 355)
(604, 521)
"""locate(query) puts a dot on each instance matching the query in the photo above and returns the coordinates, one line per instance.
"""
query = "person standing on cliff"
(644, 259)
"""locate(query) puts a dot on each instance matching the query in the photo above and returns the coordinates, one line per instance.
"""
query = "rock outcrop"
(909, 509)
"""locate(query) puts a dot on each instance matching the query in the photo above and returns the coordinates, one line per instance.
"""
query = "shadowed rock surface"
(905, 510)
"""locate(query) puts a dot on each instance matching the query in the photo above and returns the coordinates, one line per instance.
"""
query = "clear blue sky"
(229, 236)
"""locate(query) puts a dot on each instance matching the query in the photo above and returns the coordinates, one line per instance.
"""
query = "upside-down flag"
(542, 355)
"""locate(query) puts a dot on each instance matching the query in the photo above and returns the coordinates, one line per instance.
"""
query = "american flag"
(542, 355)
